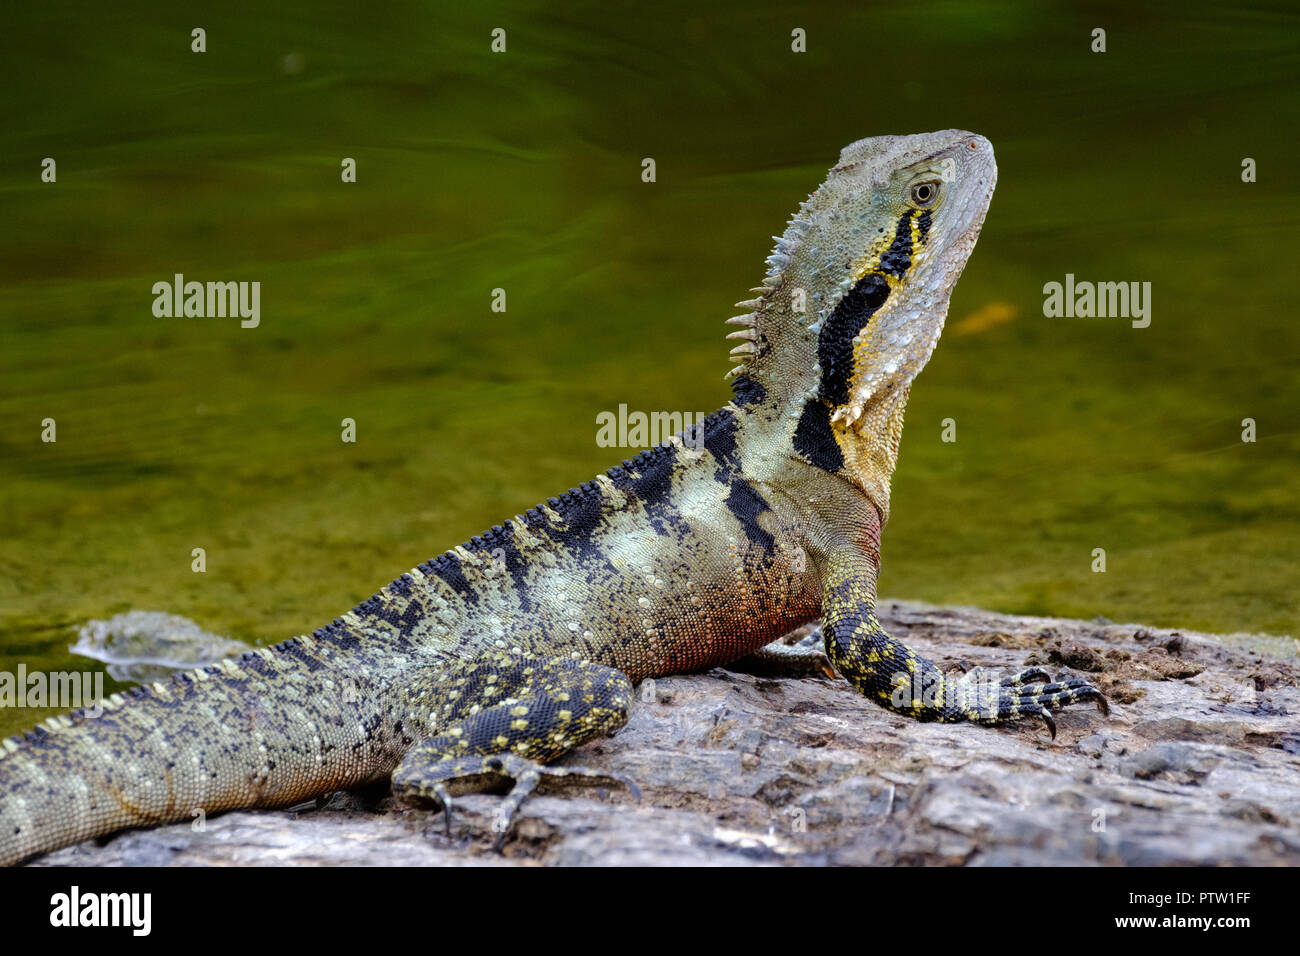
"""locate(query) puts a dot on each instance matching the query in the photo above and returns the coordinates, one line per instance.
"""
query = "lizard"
(478, 669)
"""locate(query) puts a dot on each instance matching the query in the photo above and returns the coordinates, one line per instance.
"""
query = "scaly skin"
(484, 665)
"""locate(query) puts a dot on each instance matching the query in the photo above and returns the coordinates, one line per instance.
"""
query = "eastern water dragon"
(477, 669)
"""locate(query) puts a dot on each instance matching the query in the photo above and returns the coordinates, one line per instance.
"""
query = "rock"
(1179, 762)
(1198, 764)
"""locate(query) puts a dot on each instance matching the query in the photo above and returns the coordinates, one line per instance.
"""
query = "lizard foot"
(807, 658)
(1032, 693)
(516, 776)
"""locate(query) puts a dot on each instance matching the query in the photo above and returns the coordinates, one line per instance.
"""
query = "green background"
(522, 170)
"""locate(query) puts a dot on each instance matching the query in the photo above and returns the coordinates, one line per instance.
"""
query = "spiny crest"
(786, 243)
(749, 333)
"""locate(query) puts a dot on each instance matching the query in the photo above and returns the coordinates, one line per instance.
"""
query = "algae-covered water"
(521, 171)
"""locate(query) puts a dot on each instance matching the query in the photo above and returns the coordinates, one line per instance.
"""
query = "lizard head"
(901, 216)
(858, 286)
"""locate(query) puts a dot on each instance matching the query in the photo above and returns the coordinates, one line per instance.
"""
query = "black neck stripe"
(854, 311)
(898, 257)
(835, 341)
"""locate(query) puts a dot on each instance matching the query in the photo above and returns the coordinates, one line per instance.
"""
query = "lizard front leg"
(893, 675)
(503, 720)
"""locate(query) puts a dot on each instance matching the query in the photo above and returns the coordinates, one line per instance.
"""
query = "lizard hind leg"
(518, 715)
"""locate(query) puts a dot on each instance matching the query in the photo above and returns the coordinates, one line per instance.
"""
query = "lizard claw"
(629, 784)
(1047, 719)
(445, 797)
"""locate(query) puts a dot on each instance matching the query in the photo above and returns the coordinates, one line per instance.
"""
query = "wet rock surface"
(1198, 763)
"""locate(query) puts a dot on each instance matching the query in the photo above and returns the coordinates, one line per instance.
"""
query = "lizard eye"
(924, 194)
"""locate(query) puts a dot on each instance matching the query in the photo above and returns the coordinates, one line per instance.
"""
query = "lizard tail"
(261, 730)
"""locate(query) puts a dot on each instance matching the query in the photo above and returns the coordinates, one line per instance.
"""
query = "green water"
(522, 171)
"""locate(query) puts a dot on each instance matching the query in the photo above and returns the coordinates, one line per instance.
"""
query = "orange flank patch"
(983, 319)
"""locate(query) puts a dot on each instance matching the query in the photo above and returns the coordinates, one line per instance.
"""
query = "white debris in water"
(152, 645)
